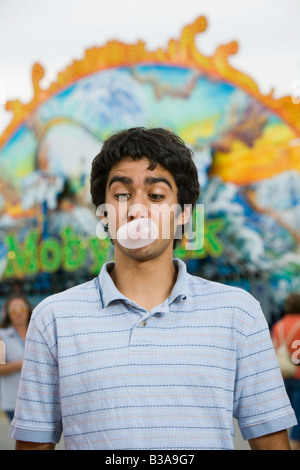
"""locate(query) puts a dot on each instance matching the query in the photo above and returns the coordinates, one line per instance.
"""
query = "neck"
(148, 282)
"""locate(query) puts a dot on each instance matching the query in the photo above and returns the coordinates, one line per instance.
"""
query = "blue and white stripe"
(111, 375)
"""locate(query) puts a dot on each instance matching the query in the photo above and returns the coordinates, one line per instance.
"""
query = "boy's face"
(134, 191)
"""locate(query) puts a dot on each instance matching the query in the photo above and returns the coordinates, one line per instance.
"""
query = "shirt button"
(143, 323)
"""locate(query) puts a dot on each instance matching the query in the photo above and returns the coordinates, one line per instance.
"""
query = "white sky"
(55, 32)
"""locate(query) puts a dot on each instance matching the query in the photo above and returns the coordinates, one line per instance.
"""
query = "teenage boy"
(146, 356)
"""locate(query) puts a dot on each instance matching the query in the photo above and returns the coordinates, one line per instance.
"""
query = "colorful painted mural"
(246, 147)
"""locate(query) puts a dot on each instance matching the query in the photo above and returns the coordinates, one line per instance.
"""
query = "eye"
(122, 196)
(156, 197)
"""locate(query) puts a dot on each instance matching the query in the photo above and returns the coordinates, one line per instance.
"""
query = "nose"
(136, 211)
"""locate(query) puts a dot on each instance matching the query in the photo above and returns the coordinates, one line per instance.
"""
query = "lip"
(137, 233)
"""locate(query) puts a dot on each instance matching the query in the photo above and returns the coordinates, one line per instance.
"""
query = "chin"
(141, 254)
(146, 253)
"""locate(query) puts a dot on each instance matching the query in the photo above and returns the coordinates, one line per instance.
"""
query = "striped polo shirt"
(111, 375)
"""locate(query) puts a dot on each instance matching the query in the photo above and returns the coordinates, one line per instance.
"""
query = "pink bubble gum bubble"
(137, 233)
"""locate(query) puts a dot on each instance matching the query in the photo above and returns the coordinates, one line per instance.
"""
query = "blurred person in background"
(17, 311)
(288, 330)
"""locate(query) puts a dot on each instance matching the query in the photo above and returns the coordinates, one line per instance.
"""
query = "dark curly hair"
(160, 146)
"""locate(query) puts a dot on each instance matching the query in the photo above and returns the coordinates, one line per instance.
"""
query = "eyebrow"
(148, 181)
(157, 179)
(120, 179)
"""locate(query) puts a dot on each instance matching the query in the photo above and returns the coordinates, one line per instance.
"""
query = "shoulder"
(221, 293)
(287, 321)
(6, 333)
(82, 296)
(238, 306)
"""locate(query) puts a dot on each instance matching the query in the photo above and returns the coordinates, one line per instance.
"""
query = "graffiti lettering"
(212, 246)
(70, 252)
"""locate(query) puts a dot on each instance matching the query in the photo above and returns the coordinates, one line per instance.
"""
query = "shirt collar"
(108, 290)
(181, 287)
(110, 293)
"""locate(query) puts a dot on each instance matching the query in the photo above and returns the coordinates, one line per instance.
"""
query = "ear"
(101, 212)
(185, 215)
(103, 232)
